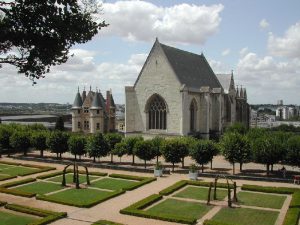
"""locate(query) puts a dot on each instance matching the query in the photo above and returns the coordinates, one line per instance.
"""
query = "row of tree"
(237, 145)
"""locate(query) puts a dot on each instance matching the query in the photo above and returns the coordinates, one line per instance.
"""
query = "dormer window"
(98, 111)
(78, 111)
(86, 110)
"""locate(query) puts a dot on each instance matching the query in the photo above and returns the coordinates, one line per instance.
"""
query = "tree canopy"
(36, 35)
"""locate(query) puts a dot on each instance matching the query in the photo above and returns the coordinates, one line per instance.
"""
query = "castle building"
(92, 113)
(177, 93)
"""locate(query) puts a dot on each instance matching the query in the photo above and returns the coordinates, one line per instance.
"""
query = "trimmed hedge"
(42, 177)
(7, 177)
(128, 177)
(17, 192)
(88, 205)
(180, 184)
(136, 210)
(49, 216)
(106, 222)
(276, 190)
(2, 203)
(16, 183)
(10, 163)
(212, 222)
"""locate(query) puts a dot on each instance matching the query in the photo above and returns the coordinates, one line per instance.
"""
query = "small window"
(86, 125)
(78, 125)
(98, 126)
(78, 111)
(98, 111)
(86, 110)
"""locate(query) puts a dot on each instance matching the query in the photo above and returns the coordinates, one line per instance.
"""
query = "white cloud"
(60, 85)
(264, 24)
(244, 51)
(143, 21)
(226, 52)
(288, 45)
(268, 79)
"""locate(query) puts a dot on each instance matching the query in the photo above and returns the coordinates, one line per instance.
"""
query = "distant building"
(92, 113)
(177, 93)
(279, 102)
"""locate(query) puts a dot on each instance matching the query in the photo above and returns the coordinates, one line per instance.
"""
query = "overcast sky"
(258, 40)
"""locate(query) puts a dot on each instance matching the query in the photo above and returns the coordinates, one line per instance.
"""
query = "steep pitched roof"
(77, 102)
(191, 69)
(225, 80)
(96, 103)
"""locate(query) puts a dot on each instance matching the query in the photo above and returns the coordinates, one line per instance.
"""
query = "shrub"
(20, 141)
(144, 150)
(57, 142)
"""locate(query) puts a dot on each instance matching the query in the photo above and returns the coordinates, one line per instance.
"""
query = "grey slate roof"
(225, 80)
(96, 103)
(77, 102)
(191, 69)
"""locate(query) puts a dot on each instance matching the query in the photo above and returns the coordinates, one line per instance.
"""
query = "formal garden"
(190, 201)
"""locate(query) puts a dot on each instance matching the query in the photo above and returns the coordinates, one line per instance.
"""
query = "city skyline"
(259, 41)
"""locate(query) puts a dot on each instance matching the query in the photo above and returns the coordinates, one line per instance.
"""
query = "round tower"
(96, 114)
(76, 113)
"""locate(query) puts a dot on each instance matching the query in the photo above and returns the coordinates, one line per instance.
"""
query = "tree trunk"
(75, 157)
(57, 155)
(25, 152)
(94, 159)
(173, 167)
(211, 164)
(268, 169)
(42, 153)
(241, 167)
(132, 159)
(202, 167)
(79, 157)
(182, 162)
(60, 155)
(120, 159)
(111, 158)
(156, 159)
(233, 168)
(272, 168)
(145, 164)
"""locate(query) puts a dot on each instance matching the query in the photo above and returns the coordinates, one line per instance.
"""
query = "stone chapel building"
(177, 93)
(92, 113)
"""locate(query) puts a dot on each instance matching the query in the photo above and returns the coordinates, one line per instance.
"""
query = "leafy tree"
(112, 139)
(170, 151)
(57, 142)
(184, 144)
(237, 127)
(76, 145)
(201, 152)
(157, 143)
(120, 149)
(214, 149)
(293, 151)
(5, 133)
(144, 150)
(130, 143)
(43, 32)
(59, 125)
(267, 150)
(236, 148)
(97, 146)
(38, 141)
(20, 141)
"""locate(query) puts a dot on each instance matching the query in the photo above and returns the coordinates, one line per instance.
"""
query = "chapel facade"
(177, 94)
(92, 113)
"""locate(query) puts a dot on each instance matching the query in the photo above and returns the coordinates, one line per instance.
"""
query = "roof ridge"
(181, 50)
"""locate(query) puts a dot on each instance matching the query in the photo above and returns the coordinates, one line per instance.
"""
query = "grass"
(112, 184)
(186, 209)
(39, 187)
(243, 216)
(261, 200)
(4, 166)
(69, 178)
(13, 219)
(19, 170)
(200, 193)
(80, 196)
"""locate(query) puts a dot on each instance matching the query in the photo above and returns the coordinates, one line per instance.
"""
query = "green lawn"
(39, 187)
(243, 216)
(12, 219)
(186, 209)
(3, 166)
(200, 193)
(80, 196)
(19, 170)
(261, 200)
(112, 184)
(69, 178)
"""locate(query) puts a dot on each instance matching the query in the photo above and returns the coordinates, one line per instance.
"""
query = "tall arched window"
(157, 113)
(193, 115)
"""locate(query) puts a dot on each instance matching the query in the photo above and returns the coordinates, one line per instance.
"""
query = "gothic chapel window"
(157, 113)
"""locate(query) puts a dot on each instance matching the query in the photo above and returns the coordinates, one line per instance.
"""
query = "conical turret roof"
(96, 104)
(77, 102)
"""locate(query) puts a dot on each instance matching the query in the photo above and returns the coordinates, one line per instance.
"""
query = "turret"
(237, 94)
(241, 92)
(245, 94)
(96, 113)
(83, 95)
(76, 111)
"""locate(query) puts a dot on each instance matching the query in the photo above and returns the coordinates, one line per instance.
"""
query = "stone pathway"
(109, 209)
